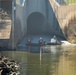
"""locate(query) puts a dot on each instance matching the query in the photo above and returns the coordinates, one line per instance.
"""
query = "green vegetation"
(72, 39)
(70, 2)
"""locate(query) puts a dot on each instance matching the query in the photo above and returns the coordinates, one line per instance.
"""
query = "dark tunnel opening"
(36, 23)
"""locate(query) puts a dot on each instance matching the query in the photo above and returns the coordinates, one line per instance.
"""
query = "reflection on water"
(48, 60)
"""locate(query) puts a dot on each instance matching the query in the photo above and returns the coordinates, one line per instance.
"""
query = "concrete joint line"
(57, 3)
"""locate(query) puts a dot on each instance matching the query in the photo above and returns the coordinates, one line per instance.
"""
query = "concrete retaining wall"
(35, 16)
(64, 14)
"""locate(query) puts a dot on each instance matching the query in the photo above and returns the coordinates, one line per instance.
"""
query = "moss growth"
(72, 39)
(70, 2)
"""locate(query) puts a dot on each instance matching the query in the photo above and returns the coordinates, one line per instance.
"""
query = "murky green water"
(49, 60)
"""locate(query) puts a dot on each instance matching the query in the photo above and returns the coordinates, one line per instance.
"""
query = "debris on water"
(9, 67)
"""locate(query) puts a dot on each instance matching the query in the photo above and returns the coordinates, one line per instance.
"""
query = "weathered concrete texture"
(65, 15)
(5, 29)
(36, 17)
(5, 22)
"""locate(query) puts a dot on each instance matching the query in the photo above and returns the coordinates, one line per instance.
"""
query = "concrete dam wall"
(66, 16)
(35, 17)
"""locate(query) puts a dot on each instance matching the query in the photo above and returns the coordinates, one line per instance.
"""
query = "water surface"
(48, 60)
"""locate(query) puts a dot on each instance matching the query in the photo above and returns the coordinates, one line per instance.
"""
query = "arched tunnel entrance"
(35, 23)
(36, 28)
